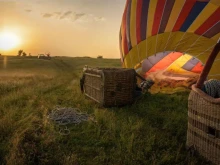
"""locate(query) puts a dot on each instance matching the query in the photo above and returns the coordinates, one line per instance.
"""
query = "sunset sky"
(63, 27)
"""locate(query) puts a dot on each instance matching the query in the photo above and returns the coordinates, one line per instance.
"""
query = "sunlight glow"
(8, 40)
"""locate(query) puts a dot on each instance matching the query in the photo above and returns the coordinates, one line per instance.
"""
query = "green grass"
(151, 131)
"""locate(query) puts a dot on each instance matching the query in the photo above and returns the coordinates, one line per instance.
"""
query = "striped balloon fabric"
(177, 35)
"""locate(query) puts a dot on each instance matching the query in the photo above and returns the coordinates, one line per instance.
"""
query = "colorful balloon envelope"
(174, 36)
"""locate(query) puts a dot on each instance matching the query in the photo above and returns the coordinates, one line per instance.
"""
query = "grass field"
(151, 131)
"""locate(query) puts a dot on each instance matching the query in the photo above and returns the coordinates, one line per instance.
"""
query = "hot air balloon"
(170, 40)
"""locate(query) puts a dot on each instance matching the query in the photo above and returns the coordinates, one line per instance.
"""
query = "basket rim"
(104, 68)
(205, 96)
(99, 70)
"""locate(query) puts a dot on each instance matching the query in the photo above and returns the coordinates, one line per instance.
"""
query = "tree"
(48, 54)
(100, 56)
(20, 52)
(24, 54)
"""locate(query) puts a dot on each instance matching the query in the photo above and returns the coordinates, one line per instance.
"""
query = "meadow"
(150, 131)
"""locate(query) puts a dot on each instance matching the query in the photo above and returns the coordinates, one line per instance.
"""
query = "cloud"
(57, 13)
(47, 15)
(73, 16)
(28, 10)
(9, 5)
(91, 18)
(99, 18)
(77, 16)
(66, 14)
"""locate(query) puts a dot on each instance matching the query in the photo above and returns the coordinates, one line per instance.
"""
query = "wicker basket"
(203, 133)
(110, 86)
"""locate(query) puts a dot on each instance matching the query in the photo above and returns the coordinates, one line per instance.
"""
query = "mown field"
(151, 131)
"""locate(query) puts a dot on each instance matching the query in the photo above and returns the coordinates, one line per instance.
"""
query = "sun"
(8, 40)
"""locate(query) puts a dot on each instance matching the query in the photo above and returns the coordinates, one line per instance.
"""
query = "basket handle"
(208, 65)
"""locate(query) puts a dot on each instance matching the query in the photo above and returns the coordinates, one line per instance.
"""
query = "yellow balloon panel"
(200, 48)
(216, 37)
(214, 72)
(135, 57)
(127, 61)
(162, 41)
(132, 25)
(151, 43)
(176, 66)
(216, 2)
(152, 9)
(174, 38)
(193, 44)
(142, 46)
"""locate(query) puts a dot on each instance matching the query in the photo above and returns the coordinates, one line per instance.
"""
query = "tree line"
(22, 53)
